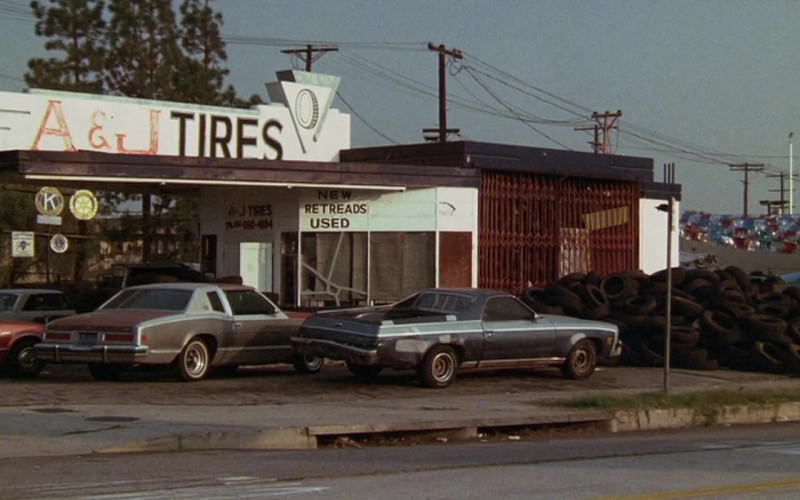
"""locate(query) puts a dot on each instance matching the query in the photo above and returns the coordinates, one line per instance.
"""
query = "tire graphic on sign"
(306, 109)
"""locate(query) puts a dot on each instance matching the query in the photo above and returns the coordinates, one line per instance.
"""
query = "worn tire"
(678, 276)
(22, 362)
(194, 361)
(306, 365)
(767, 358)
(618, 287)
(720, 329)
(439, 367)
(558, 295)
(104, 372)
(581, 360)
(367, 372)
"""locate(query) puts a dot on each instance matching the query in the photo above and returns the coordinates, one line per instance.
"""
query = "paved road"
(65, 412)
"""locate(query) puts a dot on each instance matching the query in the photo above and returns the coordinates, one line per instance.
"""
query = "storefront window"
(334, 267)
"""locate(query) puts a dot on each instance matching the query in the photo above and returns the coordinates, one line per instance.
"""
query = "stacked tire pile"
(718, 317)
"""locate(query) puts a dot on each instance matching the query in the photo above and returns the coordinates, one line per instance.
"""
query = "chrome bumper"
(67, 353)
(334, 350)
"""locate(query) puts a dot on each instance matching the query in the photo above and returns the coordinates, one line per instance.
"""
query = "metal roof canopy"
(175, 174)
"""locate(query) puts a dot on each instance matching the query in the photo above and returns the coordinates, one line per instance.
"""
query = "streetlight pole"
(670, 209)
(791, 177)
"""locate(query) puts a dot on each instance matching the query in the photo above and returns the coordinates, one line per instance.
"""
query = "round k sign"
(49, 201)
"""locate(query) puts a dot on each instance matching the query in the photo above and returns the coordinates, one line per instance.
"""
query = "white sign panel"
(303, 128)
(335, 210)
(22, 244)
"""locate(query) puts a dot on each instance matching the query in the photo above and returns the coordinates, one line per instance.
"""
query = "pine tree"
(73, 28)
(143, 49)
(202, 78)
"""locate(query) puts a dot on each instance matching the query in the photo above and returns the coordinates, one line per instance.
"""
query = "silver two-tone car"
(191, 326)
(438, 332)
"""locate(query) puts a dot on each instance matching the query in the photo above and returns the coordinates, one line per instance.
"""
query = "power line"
(363, 120)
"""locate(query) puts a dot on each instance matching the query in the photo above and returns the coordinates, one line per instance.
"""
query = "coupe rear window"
(443, 302)
(247, 302)
(156, 300)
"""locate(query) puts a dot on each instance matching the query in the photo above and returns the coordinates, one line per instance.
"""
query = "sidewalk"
(65, 429)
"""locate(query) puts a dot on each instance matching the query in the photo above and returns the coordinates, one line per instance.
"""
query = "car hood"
(108, 319)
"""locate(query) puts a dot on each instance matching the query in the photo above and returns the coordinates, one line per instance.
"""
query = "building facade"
(290, 207)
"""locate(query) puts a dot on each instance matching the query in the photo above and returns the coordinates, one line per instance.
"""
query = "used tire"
(581, 360)
(439, 367)
(194, 360)
(363, 371)
(22, 362)
(307, 364)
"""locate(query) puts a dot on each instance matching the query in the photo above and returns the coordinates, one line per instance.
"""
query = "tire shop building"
(287, 204)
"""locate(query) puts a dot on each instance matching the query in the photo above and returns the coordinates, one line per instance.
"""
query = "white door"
(255, 264)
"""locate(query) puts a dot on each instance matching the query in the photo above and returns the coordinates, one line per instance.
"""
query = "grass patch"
(696, 400)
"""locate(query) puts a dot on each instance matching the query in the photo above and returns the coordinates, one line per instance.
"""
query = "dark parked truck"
(438, 332)
(190, 326)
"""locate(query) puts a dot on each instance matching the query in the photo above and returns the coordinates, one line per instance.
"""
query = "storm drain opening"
(111, 419)
(463, 434)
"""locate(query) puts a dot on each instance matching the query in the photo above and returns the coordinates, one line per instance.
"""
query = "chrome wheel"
(307, 364)
(581, 361)
(439, 367)
(194, 360)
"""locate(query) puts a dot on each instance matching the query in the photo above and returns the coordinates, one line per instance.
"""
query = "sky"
(708, 85)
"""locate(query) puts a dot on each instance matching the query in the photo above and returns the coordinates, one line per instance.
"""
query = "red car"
(17, 339)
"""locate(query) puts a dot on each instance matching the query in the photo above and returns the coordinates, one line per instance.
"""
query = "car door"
(512, 331)
(261, 333)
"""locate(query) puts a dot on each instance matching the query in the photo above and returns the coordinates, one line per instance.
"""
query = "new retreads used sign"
(298, 125)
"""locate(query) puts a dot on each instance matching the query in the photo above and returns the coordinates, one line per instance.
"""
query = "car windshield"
(7, 301)
(164, 300)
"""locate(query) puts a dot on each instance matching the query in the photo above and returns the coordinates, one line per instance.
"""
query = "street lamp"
(791, 177)
(669, 208)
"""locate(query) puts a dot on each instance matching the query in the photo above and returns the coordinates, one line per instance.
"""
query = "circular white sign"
(59, 243)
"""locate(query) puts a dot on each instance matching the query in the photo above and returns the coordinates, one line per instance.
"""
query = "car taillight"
(119, 337)
(57, 336)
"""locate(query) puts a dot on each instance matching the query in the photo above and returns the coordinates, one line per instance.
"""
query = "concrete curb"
(644, 420)
(308, 438)
(268, 439)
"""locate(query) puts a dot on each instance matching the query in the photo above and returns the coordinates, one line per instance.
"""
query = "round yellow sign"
(83, 204)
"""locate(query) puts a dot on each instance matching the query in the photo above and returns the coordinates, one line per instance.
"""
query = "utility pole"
(443, 52)
(746, 168)
(782, 176)
(604, 122)
(309, 54)
(791, 176)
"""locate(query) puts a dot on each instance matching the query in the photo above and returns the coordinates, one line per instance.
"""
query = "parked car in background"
(17, 339)
(37, 305)
(191, 326)
(439, 332)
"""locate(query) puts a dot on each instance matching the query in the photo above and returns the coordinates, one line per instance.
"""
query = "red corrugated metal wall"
(535, 228)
